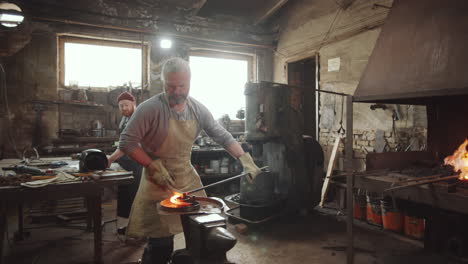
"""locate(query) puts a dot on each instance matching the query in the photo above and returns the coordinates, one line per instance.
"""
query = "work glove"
(249, 167)
(157, 173)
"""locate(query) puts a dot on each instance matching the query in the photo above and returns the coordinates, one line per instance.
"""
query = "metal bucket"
(392, 218)
(374, 211)
(359, 206)
(414, 226)
(261, 192)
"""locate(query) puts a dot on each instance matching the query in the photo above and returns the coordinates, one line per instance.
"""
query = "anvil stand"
(206, 238)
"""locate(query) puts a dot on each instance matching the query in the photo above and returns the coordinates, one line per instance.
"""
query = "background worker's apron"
(175, 154)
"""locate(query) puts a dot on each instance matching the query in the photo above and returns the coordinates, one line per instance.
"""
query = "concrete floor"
(315, 238)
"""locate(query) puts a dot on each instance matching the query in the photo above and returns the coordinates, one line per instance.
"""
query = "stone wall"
(321, 27)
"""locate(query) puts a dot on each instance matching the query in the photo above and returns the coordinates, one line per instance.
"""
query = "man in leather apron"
(159, 136)
(126, 193)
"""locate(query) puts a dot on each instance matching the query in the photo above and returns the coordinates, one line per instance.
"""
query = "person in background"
(126, 193)
(159, 136)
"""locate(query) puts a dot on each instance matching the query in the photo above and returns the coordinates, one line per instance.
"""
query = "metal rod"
(349, 178)
(422, 183)
(419, 179)
(331, 92)
(222, 181)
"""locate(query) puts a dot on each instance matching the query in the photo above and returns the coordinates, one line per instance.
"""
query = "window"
(101, 63)
(218, 82)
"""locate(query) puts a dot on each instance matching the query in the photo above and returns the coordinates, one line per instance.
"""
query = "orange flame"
(174, 201)
(459, 161)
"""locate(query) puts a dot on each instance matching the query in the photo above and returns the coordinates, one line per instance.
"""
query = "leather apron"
(175, 153)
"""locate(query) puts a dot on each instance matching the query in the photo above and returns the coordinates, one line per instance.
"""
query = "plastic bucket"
(374, 211)
(392, 218)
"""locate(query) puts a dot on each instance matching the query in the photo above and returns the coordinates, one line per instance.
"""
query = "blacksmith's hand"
(157, 173)
(249, 167)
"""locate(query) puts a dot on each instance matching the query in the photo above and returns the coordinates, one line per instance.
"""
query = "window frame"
(62, 39)
(227, 55)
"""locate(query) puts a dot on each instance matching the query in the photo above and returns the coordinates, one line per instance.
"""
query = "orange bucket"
(392, 218)
(414, 226)
(374, 212)
(359, 206)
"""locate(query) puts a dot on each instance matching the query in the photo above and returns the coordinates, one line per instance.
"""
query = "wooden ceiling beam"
(270, 8)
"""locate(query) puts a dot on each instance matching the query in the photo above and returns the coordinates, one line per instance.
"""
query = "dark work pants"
(158, 250)
(126, 193)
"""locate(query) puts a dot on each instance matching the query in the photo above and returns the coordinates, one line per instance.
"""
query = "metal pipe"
(330, 92)
(421, 183)
(222, 181)
(349, 178)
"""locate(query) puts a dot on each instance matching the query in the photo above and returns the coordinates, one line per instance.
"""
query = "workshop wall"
(32, 71)
(30, 75)
(348, 36)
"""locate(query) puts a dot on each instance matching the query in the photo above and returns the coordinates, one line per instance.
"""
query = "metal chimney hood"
(421, 53)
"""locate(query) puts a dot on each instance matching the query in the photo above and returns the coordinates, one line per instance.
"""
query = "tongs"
(185, 194)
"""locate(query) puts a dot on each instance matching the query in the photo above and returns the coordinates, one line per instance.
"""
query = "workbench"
(90, 190)
(436, 195)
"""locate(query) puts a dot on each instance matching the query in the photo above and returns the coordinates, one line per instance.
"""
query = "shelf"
(209, 150)
(72, 139)
(70, 150)
(71, 102)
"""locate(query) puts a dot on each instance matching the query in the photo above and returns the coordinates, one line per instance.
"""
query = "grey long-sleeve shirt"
(149, 125)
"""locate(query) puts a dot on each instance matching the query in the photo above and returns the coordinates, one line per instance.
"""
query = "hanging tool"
(341, 129)
(185, 194)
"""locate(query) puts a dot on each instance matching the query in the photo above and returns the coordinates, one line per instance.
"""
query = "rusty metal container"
(392, 217)
(414, 226)
(374, 211)
(359, 206)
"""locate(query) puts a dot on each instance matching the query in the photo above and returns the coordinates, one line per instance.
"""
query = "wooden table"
(90, 190)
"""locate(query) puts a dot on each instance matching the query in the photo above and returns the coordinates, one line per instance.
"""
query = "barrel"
(374, 211)
(359, 206)
(392, 217)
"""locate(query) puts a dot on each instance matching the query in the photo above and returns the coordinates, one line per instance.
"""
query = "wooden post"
(331, 165)
(3, 226)
(20, 222)
(97, 228)
(349, 178)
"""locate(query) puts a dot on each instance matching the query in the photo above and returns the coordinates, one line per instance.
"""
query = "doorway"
(303, 73)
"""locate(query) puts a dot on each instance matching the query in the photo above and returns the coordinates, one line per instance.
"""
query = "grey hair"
(175, 65)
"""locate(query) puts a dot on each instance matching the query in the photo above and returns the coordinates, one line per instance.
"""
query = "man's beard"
(127, 113)
(177, 99)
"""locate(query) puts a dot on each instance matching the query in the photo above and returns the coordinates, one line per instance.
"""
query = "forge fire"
(459, 161)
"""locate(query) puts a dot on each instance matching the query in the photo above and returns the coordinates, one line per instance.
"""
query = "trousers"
(126, 193)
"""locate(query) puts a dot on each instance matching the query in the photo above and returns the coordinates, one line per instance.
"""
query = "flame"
(174, 201)
(459, 161)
